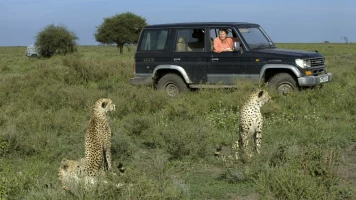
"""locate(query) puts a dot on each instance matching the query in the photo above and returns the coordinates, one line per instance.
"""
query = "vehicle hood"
(289, 53)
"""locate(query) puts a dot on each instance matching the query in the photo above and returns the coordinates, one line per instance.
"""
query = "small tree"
(56, 40)
(345, 38)
(120, 29)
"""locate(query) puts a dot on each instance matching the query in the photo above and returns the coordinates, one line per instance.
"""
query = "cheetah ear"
(103, 105)
(64, 163)
(260, 94)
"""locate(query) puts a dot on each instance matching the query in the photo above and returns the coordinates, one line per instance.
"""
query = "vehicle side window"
(253, 36)
(153, 40)
(214, 33)
(190, 40)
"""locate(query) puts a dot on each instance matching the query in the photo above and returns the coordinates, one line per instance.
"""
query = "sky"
(298, 21)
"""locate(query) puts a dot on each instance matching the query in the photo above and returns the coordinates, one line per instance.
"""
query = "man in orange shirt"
(223, 43)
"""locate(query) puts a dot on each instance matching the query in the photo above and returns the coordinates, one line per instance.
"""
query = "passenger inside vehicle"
(198, 45)
(181, 45)
(222, 40)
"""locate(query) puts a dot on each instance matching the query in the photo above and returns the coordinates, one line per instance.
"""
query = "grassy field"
(167, 145)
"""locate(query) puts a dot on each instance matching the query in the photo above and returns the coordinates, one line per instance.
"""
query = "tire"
(33, 56)
(173, 84)
(284, 83)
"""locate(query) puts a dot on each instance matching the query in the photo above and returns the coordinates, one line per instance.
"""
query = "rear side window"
(190, 40)
(153, 40)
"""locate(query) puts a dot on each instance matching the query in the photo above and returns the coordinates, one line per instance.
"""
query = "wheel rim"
(172, 90)
(285, 88)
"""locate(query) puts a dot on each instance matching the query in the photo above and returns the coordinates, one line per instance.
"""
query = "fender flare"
(294, 69)
(177, 68)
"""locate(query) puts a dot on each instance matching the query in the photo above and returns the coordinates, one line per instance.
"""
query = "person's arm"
(217, 48)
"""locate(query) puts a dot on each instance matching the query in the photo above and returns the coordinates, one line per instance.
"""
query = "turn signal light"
(308, 73)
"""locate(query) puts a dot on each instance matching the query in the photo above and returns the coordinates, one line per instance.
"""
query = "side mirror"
(237, 46)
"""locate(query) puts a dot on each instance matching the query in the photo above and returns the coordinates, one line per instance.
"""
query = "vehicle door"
(229, 66)
(153, 50)
(190, 53)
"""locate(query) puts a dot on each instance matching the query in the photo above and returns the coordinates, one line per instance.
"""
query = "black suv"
(175, 57)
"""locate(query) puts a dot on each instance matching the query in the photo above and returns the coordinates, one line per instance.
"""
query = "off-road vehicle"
(32, 51)
(176, 57)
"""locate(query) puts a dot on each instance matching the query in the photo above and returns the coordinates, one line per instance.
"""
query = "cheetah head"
(261, 96)
(71, 172)
(69, 165)
(104, 105)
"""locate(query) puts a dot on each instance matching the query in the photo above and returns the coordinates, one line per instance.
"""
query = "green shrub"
(88, 70)
(56, 40)
(302, 173)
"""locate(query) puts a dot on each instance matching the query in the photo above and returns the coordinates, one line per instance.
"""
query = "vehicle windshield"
(255, 38)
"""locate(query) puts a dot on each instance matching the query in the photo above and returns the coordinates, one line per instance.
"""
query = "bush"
(56, 40)
(298, 173)
(182, 138)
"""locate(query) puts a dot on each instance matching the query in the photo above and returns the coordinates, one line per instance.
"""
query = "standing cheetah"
(98, 138)
(251, 122)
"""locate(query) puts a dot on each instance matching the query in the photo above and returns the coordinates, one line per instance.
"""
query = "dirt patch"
(347, 170)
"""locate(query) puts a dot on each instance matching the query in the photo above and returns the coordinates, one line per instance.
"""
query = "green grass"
(166, 144)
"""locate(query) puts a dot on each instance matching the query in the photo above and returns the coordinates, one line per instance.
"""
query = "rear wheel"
(284, 83)
(173, 84)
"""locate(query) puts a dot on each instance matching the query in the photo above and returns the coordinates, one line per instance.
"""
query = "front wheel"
(173, 84)
(284, 83)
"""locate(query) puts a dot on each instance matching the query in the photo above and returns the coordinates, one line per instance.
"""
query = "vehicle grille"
(315, 62)
(317, 72)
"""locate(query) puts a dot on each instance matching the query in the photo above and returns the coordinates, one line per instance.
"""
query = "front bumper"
(314, 80)
(146, 81)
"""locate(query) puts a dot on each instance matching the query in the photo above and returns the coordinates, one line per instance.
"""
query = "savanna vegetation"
(120, 29)
(167, 144)
(56, 40)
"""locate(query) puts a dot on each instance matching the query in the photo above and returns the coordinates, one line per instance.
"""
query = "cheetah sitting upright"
(98, 138)
(251, 122)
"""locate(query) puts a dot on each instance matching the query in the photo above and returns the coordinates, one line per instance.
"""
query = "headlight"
(302, 63)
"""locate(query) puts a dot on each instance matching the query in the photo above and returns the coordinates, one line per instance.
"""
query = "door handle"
(176, 59)
(214, 59)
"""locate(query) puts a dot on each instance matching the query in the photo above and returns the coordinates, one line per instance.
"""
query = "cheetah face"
(105, 104)
(69, 165)
(263, 97)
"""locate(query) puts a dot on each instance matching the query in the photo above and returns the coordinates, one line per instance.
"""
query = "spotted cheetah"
(71, 172)
(251, 122)
(98, 138)
(72, 176)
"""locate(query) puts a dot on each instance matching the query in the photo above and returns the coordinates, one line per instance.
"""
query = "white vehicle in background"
(32, 51)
